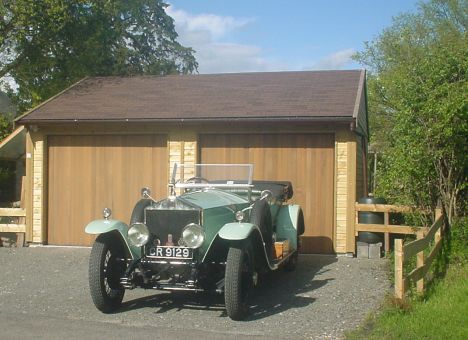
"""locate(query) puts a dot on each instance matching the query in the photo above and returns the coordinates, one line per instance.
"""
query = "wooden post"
(419, 264)
(438, 234)
(28, 203)
(387, 235)
(399, 259)
(437, 214)
(356, 220)
(351, 193)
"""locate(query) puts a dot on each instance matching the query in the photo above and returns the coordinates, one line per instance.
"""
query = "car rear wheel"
(238, 281)
(105, 271)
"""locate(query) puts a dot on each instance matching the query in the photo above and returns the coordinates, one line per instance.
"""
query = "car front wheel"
(105, 271)
(238, 281)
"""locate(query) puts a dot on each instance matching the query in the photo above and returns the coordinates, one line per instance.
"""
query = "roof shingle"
(329, 95)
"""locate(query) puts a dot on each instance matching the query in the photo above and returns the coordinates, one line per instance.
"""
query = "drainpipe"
(352, 127)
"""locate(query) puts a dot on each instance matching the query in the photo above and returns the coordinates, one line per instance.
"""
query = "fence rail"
(425, 238)
(385, 228)
(16, 226)
(423, 264)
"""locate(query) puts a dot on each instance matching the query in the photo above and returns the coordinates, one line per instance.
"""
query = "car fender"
(288, 224)
(107, 226)
(233, 233)
(236, 231)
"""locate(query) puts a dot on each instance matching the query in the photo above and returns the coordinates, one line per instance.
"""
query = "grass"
(442, 315)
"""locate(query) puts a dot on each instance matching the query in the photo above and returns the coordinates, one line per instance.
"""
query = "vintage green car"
(218, 231)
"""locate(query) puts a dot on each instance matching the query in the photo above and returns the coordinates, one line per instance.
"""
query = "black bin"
(365, 217)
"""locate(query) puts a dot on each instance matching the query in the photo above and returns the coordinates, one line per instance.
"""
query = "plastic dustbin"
(365, 217)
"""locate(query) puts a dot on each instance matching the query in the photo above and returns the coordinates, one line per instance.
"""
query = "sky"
(277, 35)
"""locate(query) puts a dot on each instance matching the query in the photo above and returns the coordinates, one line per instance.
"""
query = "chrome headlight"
(193, 235)
(138, 234)
(106, 213)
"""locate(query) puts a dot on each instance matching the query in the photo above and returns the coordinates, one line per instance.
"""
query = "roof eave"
(323, 119)
(19, 120)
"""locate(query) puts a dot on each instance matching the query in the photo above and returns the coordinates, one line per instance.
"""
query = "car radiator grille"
(161, 223)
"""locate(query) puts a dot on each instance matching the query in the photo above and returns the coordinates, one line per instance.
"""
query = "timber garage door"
(307, 160)
(88, 173)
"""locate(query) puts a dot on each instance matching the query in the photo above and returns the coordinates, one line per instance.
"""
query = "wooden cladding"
(88, 173)
(307, 160)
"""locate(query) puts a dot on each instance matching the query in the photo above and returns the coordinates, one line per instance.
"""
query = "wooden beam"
(12, 228)
(434, 251)
(420, 272)
(415, 247)
(12, 212)
(399, 279)
(393, 229)
(420, 264)
(351, 193)
(28, 203)
(386, 234)
(383, 208)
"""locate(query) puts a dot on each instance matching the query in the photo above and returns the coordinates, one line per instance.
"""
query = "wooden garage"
(97, 143)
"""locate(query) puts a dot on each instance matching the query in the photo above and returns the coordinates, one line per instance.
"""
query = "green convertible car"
(217, 231)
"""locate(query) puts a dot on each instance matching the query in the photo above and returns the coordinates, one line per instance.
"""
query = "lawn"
(443, 315)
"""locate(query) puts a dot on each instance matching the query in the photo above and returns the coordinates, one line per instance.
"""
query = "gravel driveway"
(46, 289)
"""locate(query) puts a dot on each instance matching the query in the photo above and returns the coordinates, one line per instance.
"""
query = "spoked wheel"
(104, 273)
(239, 281)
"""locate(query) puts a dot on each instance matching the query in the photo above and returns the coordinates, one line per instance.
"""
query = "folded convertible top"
(280, 189)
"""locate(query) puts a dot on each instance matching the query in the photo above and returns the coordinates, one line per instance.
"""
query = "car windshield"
(228, 176)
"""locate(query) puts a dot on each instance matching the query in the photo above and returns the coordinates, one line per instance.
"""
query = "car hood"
(212, 198)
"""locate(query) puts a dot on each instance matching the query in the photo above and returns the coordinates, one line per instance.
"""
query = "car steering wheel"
(197, 179)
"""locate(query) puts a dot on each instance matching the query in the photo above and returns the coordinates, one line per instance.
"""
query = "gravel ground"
(325, 296)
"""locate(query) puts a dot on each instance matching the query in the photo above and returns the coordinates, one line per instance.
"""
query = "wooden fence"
(15, 223)
(417, 247)
(425, 237)
(385, 228)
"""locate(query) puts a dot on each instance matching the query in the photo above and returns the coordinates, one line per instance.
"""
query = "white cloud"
(215, 25)
(335, 61)
(230, 57)
(207, 35)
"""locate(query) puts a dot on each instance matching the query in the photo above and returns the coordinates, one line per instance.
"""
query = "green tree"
(47, 45)
(418, 108)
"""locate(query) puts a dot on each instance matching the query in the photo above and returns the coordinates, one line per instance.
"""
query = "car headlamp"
(239, 216)
(106, 213)
(138, 234)
(193, 235)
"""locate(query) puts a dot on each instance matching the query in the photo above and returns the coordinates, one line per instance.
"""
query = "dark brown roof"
(327, 95)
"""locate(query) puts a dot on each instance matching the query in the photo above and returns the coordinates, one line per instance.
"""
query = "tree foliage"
(47, 45)
(417, 102)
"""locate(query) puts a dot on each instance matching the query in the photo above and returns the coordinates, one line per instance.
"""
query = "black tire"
(138, 213)
(261, 217)
(238, 281)
(105, 272)
(300, 223)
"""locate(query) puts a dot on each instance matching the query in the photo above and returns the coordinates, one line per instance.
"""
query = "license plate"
(169, 252)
